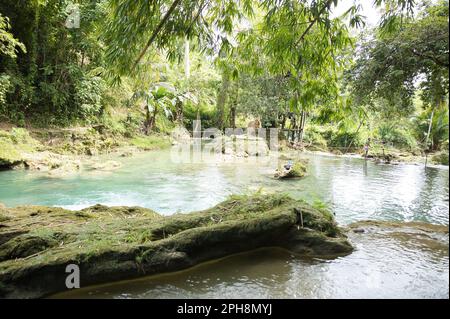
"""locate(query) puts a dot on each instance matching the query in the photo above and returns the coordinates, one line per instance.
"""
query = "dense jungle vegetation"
(138, 67)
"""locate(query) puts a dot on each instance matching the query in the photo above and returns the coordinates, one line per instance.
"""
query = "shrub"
(313, 135)
(400, 137)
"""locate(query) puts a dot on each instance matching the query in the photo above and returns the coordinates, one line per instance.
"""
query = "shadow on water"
(417, 268)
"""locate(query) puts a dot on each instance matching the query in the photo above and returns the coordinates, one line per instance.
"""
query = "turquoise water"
(382, 266)
(353, 188)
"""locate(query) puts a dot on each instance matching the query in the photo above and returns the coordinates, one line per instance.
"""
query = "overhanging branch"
(156, 31)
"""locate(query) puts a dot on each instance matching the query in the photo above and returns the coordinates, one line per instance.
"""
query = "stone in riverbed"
(114, 243)
(107, 166)
(12, 146)
(55, 164)
(242, 145)
(297, 170)
(126, 154)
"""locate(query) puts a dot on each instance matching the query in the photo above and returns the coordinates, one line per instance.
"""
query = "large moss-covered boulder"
(114, 243)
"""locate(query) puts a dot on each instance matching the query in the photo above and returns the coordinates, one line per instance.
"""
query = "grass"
(115, 240)
(151, 142)
(100, 226)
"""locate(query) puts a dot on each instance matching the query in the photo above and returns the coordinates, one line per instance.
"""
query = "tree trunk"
(179, 112)
(302, 126)
(429, 129)
(187, 62)
(147, 120)
(233, 105)
(150, 120)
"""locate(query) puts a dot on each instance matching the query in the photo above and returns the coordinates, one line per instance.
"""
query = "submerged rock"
(114, 243)
(420, 232)
(107, 166)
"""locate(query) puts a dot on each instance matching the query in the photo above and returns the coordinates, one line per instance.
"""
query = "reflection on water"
(355, 189)
(382, 266)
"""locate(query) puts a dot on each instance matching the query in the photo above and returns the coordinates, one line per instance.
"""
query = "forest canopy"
(146, 66)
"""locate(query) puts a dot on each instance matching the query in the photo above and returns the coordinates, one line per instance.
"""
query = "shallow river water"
(382, 266)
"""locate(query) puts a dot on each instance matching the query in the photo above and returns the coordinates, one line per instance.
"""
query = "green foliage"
(323, 208)
(341, 139)
(245, 60)
(9, 45)
(151, 142)
(51, 83)
(441, 158)
(389, 66)
(13, 144)
(439, 128)
(392, 133)
(5, 84)
(314, 136)
(88, 96)
(133, 26)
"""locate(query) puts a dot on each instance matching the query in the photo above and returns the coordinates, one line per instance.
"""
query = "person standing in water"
(366, 148)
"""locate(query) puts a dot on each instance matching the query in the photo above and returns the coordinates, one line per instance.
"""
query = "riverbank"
(114, 243)
(64, 151)
(437, 160)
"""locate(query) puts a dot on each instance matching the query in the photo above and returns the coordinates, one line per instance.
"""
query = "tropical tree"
(162, 96)
(414, 56)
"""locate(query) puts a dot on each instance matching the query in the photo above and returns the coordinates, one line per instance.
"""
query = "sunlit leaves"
(131, 23)
(393, 66)
(9, 45)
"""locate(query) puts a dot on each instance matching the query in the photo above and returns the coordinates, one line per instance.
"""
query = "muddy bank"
(115, 243)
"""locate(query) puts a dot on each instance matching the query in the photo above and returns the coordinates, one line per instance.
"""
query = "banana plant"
(163, 96)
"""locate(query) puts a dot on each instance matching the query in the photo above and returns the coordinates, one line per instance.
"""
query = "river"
(382, 266)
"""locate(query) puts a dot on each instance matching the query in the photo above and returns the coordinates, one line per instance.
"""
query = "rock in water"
(107, 166)
(115, 243)
(297, 170)
(242, 145)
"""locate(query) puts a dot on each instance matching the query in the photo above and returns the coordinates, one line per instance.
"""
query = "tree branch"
(200, 9)
(156, 31)
(432, 58)
(311, 24)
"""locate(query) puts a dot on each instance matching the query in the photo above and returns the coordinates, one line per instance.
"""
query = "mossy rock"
(440, 158)
(115, 243)
(297, 170)
(14, 145)
(9, 155)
